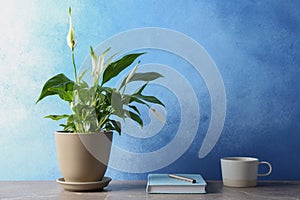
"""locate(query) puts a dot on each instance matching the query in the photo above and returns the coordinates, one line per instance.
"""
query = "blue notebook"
(162, 183)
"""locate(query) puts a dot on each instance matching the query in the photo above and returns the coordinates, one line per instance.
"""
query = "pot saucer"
(84, 186)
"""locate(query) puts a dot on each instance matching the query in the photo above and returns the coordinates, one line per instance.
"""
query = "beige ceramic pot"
(83, 157)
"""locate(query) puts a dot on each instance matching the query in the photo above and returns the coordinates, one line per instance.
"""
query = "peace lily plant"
(95, 106)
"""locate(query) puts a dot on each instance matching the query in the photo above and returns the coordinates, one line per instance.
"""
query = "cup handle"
(270, 168)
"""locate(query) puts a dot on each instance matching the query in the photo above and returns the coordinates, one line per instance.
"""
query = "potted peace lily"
(84, 145)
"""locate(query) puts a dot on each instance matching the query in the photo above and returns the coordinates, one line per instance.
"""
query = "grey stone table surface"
(15, 190)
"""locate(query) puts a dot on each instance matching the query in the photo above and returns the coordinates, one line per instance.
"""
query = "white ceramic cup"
(241, 171)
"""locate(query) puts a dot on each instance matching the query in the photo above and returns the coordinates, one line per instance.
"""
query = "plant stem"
(76, 125)
(124, 88)
(74, 66)
(105, 118)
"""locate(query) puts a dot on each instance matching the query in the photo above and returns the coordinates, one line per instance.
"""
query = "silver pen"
(182, 178)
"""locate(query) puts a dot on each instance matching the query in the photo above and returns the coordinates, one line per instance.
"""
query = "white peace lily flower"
(98, 68)
(132, 73)
(94, 63)
(97, 63)
(100, 65)
(71, 41)
(158, 115)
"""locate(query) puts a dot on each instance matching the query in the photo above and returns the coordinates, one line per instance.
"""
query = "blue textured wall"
(255, 45)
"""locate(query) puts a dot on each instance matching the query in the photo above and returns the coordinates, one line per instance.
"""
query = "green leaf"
(113, 69)
(134, 99)
(148, 76)
(58, 81)
(85, 95)
(63, 93)
(135, 117)
(57, 117)
(141, 89)
(150, 99)
(135, 109)
(117, 104)
(116, 126)
(70, 125)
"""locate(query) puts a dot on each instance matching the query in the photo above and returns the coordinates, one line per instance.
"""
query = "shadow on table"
(214, 187)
